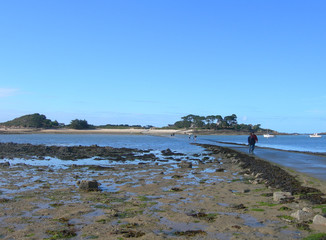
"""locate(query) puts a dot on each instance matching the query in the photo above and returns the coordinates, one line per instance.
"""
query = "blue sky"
(152, 62)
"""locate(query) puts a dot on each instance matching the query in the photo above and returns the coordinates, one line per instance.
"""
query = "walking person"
(252, 139)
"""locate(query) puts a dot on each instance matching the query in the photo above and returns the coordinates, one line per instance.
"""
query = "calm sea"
(307, 163)
(302, 143)
(180, 143)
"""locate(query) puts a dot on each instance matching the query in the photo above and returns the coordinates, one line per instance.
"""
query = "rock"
(219, 170)
(257, 181)
(258, 175)
(185, 164)
(235, 161)
(302, 215)
(111, 212)
(303, 226)
(5, 164)
(319, 220)
(308, 209)
(238, 206)
(148, 157)
(88, 185)
(168, 152)
(176, 189)
(279, 196)
(245, 190)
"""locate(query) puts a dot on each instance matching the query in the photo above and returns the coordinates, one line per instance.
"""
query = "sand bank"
(94, 131)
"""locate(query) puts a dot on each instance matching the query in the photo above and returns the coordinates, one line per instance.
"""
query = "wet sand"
(157, 199)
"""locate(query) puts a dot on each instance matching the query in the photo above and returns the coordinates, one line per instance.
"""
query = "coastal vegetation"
(35, 120)
(216, 122)
(80, 124)
(208, 123)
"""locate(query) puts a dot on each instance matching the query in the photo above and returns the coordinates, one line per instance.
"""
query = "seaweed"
(274, 176)
(190, 233)
(209, 217)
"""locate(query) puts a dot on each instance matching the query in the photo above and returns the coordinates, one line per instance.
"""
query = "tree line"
(191, 121)
(37, 120)
(214, 122)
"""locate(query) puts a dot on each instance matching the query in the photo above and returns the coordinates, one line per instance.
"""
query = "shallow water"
(310, 164)
(302, 143)
(179, 143)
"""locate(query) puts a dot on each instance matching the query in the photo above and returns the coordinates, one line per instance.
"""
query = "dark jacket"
(252, 139)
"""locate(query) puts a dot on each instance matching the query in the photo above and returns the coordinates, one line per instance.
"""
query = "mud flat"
(219, 194)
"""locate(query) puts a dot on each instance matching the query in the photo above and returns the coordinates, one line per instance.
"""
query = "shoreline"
(153, 131)
(225, 194)
(92, 131)
(278, 149)
(22, 130)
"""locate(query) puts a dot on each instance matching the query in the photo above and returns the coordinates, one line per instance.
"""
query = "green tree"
(198, 121)
(189, 118)
(35, 120)
(55, 123)
(256, 127)
(79, 124)
(231, 120)
(182, 124)
(210, 121)
(215, 122)
(194, 120)
(219, 120)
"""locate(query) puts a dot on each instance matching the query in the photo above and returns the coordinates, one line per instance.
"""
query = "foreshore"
(221, 194)
(151, 131)
(92, 131)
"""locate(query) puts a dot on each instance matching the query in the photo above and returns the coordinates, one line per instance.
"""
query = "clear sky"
(150, 62)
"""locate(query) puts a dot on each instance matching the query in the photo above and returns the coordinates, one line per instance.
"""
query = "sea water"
(301, 143)
(144, 142)
(307, 163)
(272, 149)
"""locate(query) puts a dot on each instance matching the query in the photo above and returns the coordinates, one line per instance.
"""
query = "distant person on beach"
(252, 139)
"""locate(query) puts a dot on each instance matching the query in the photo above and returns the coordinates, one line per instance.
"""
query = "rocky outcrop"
(282, 196)
(267, 173)
(5, 164)
(88, 185)
(185, 164)
(319, 220)
(168, 152)
(16, 150)
(303, 215)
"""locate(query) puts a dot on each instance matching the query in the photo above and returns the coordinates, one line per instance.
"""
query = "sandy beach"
(92, 131)
(152, 131)
(214, 198)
